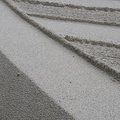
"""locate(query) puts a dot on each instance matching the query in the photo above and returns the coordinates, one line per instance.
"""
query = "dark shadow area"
(21, 99)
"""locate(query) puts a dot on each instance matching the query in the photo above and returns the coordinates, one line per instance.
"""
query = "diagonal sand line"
(105, 16)
(108, 34)
(65, 43)
(102, 52)
(100, 43)
(56, 4)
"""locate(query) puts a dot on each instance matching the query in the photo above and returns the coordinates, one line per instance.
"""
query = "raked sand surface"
(81, 89)
(91, 3)
(106, 16)
(88, 31)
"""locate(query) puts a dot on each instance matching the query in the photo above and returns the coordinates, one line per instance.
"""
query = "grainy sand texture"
(21, 99)
(54, 69)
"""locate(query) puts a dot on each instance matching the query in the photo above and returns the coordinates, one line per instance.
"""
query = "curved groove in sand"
(92, 42)
(50, 10)
(102, 52)
(55, 4)
(72, 19)
(64, 42)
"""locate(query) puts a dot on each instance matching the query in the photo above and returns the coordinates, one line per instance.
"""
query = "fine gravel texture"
(105, 16)
(21, 99)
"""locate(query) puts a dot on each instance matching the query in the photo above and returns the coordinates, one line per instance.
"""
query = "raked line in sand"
(66, 12)
(81, 89)
(69, 45)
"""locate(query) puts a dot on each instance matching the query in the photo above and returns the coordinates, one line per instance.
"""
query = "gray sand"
(81, 89)
(21, 99)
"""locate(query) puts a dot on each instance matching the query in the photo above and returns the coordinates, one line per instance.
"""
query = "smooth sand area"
(21, 99)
